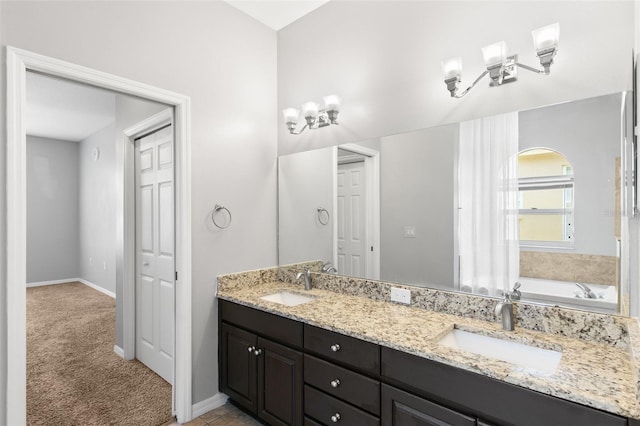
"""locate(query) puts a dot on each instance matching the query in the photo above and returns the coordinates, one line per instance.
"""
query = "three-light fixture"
(502, 68)
(313, 115)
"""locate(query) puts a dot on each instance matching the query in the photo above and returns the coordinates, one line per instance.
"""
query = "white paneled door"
(155, 248)
(351, 204)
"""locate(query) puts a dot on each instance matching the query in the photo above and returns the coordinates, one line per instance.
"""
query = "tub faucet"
(587, 293)
(307, 278)
(327, 268)
(504, 308)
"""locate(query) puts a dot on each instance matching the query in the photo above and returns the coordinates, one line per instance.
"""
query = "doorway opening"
(18, 63)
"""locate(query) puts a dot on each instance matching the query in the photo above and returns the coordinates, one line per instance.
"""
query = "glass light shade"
(494, 54)
(290, 115)
(310, 109)
(452, 68)
(546, 38)
(332, 102)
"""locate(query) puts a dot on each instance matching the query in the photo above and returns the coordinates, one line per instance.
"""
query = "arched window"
(545, 198)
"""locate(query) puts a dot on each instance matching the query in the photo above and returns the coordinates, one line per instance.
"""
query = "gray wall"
(98, 209)
(417, 172)
(225, 62)
(306, 182)
(587, 133)
(52, 210)
(383, 58)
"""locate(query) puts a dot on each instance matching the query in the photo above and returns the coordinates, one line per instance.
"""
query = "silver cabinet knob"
(335, 348)
(335, 383)
(257, 352)
(335, 417)
(251, 348)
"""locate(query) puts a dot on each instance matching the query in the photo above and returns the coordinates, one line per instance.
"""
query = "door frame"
(20, 61)
(129, 223)
(372, 228)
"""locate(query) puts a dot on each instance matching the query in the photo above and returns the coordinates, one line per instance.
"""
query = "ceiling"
(276, 14)
(59, 109)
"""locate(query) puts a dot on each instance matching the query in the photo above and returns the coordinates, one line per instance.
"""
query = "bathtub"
(563, 293)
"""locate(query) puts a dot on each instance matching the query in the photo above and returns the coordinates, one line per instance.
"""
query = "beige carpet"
(73, 375)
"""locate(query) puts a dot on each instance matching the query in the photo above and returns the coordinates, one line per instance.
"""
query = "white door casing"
(14, 359)
(351, 205)
(155, 267)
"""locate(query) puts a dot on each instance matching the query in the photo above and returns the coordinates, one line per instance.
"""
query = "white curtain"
(488, 204)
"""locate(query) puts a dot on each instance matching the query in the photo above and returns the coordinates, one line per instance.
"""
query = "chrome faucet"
(504, 308)
(587, 293)
(327, 268)
(307, 278)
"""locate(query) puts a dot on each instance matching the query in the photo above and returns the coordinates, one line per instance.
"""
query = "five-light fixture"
(502, 68)
(313, 115)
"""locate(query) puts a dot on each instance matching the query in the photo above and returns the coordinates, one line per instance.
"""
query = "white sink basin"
(287, 298)
(530, 357)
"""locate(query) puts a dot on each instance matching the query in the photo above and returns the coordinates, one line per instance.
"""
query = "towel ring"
(323, 213)
(216, 209)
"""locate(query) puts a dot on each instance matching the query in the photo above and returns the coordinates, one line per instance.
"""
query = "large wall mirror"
(536, 197)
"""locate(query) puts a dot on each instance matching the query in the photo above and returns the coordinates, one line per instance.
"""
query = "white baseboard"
(54, 282)
(71, 280)
(202, 407)
(97, 287)
(118, 350)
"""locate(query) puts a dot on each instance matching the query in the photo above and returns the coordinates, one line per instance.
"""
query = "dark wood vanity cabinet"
(299, 374)
(261, 375)
(341, 376)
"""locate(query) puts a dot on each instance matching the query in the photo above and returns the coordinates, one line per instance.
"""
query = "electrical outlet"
(409, 231)
(400, 295)
(104, 265)
(91, 261)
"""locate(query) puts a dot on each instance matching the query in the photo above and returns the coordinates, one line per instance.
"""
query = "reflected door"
(155, 263)
(351, 218)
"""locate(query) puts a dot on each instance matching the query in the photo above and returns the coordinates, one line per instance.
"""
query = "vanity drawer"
(343, 349)
(275, 327)
(322, 407)
(354, 388)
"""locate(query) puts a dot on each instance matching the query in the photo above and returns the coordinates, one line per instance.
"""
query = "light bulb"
(310, 109)
(546, 38)
(452, 68)
(290, 115)
(332, 102)
(494, 54)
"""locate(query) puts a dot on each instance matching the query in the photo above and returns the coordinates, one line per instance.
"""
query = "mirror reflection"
(533, 197)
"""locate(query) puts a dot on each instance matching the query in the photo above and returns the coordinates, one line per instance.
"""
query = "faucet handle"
(515, 293)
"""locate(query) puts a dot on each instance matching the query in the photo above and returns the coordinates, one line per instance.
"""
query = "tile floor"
(227, 415)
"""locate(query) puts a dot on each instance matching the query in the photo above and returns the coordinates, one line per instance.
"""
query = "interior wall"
(587, 133)
(53, 239)
(383, 58)
(417, 172)
(97, 223)
(225, 62)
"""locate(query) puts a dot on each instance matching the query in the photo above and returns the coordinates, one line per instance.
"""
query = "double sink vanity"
(343, 353)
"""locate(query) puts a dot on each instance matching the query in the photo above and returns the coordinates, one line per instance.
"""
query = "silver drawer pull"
(251, 348)
(335, 417)
(257, 352)
(335, 383)
(335, 348)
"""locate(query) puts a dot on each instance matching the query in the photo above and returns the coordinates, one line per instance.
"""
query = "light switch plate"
(400, 295)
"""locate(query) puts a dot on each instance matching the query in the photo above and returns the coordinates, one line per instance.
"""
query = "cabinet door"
(279, 384)
(400, 408)
(238, 366)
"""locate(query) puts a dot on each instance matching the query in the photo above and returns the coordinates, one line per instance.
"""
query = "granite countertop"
(595, 374)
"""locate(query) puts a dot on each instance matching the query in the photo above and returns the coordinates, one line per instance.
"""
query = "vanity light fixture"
(313, 115)
(501, 67)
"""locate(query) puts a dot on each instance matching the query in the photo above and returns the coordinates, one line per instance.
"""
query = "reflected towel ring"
(323, 213)
(216, 209)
